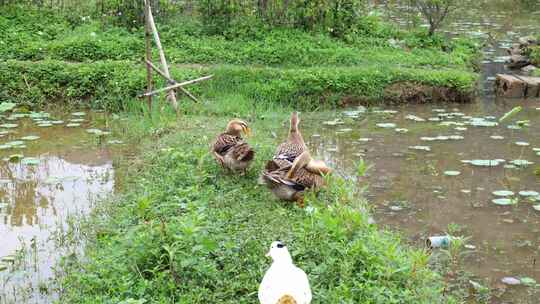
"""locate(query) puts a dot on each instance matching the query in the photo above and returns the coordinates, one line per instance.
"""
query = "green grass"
(113, 85)
(186, 232)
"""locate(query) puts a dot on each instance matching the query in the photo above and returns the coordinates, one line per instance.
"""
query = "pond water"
(53, 168)
(435, 167)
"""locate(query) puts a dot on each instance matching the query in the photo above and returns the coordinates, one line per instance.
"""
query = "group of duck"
(288, 174)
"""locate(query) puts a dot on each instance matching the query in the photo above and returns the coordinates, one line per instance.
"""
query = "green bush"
(188, 233)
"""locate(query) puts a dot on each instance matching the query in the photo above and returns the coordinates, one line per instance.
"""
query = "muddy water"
(70, 168)
(411, 193)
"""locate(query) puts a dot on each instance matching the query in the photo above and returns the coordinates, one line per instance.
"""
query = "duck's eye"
(280, 245)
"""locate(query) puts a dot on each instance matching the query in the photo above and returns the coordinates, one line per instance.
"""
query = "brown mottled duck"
(289, 182)
(229, 148)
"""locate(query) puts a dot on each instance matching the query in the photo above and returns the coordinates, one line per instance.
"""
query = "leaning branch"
(178, 85)
(170, 80)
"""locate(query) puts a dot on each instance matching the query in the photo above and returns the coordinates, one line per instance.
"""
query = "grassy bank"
(188, 233)
(49, 57)
(114, 85)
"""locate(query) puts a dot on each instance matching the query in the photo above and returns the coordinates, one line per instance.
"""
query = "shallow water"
(411, 193)
(39, 200)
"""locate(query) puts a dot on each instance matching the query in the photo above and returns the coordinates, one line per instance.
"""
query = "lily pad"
(414, 118)
(504, 201)
(44, 125)
(496, 137)
(521, 162)
(522, 143)
(528, 193)
(452, 173)
(73, 125)
(15, 157)
(15, 143)
(460, 129)
(401, 130)
(9, 125)
(386, 125)
(57, 122)
(527, 281)
(7, 106)
(485, 162)
(30, 137)
(421, 148)
(503, 193)
(30, 161)
(115, 142)
(365, 139)
(77, 120)
(78, 114)
(536, 207)
(8, 258)
(3, 266)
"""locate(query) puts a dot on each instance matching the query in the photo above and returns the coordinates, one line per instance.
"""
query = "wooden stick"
(177, 85)
(172, 81)
(172, 96)
(147, 35)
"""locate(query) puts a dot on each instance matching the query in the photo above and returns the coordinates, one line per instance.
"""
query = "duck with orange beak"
(230, 150)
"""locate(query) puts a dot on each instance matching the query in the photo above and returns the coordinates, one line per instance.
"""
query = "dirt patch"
(407, 92)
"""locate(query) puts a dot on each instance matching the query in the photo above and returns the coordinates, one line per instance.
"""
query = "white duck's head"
(279, 253)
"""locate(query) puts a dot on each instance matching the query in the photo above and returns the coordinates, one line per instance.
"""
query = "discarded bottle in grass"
(441, 241)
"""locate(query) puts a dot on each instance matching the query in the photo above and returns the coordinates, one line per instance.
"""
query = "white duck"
(284, 283)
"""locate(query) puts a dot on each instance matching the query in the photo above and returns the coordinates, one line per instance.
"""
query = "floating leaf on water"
(439, 110)
(514, 127)
(4, 132)
(401, 130)
(456, 137)
(9, 125)
(57, 122)
(527, 281)
(504, 201)
(77, 120)
(386, 125)
(3, 266)
(30, 161)
(510, 113)
(8, 259)
(521, 162)
(97, 132)
(425, 138)
(30, 137)
(421, 148)
(536, 207)
(460, 129)
(503, 193)
(15, 143)
(496, 137)
(509, 167)
(364, 139)
(15, 157)
(481, 122)
(466, 191)
(115, 142)
(7, 106)
(44, 125)
(528, 193)
(73, 125)
(522, 143)
(345, 130)
(434, 119)
(485, 162)
(452, 173)
(414, 118)
(78, 114)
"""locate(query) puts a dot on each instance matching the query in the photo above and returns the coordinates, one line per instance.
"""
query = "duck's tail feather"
(286, 299)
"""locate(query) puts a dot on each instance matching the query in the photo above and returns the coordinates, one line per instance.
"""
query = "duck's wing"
(243, 152)
(304, 290)
(224, 142)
